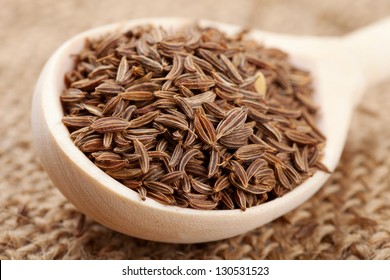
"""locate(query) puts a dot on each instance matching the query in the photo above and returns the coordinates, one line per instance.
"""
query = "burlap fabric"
(348, 219)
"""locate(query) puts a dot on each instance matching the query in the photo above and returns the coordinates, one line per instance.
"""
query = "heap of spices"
(193, 118)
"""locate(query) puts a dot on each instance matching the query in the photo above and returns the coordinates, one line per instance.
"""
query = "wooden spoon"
(342, 68)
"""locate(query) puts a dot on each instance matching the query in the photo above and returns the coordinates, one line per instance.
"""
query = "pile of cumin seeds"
(194, 117)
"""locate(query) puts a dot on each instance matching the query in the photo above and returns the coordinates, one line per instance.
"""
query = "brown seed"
(285, 112)
(240, 198)
(213, 163)
(88, 84)
(221, 184)
(186, 157)
(204, 128)
(240, 173)
(237, 138)
(162, 198)
(172, 177)
(189, 64)
(107, 139)
(300, 137)
(148, 63)
(249, 152)
(227, 200)
(202, 204)
(125, 173)
(280, 146)
(195, 83)
(177, 67)
(109, 88)
(185, 106)
(212, 59)
(137, 95)
(143, 120)
(109, 161)
(110, 124)
(176, 155)
(214, 109)
(235, 118)
(255, 167)
(200, 187)
(282, 176)
(199, 99)
(231, 70)
(122, 69)
(172, 121)
(77, 121)
(159, 187)
(72, 95)
(142, 152)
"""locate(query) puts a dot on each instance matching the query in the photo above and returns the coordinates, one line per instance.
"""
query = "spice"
(193, 118)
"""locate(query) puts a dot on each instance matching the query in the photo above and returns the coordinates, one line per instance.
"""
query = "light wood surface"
(340, 78)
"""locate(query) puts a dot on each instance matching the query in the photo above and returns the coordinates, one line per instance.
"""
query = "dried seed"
(142, 152)
(110, 124)
(300, 137)
(199, 99)
(231, 69)
(186, 157)
(172, 177)
(72, 95)
(177, 67)
(185, 107)
(88, 84)
(221, 184)
(280, 146)
(212, 59)
(176, 155)
(235, 118)
(122, 69)
(282, 176)
(204, 128)
(250, 152)
(172, 121)
(240, 173)
(240, 198)
(189, 64)
(255, 167)
(137, 95)
(93, 110)
(77, 121)
(214, 109)
(162, 198)
(227, 200)
(143, 120)
(195, 83)
(148, 63)
(237, 138)
(200, 187)
(125, 173)
(159, 187)
(202, 204)
(213, 163)
(109, 161)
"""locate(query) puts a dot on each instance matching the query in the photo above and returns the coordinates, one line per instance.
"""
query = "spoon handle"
(371, 48)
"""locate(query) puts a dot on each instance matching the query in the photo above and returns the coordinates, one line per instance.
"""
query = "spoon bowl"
(340, 77)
